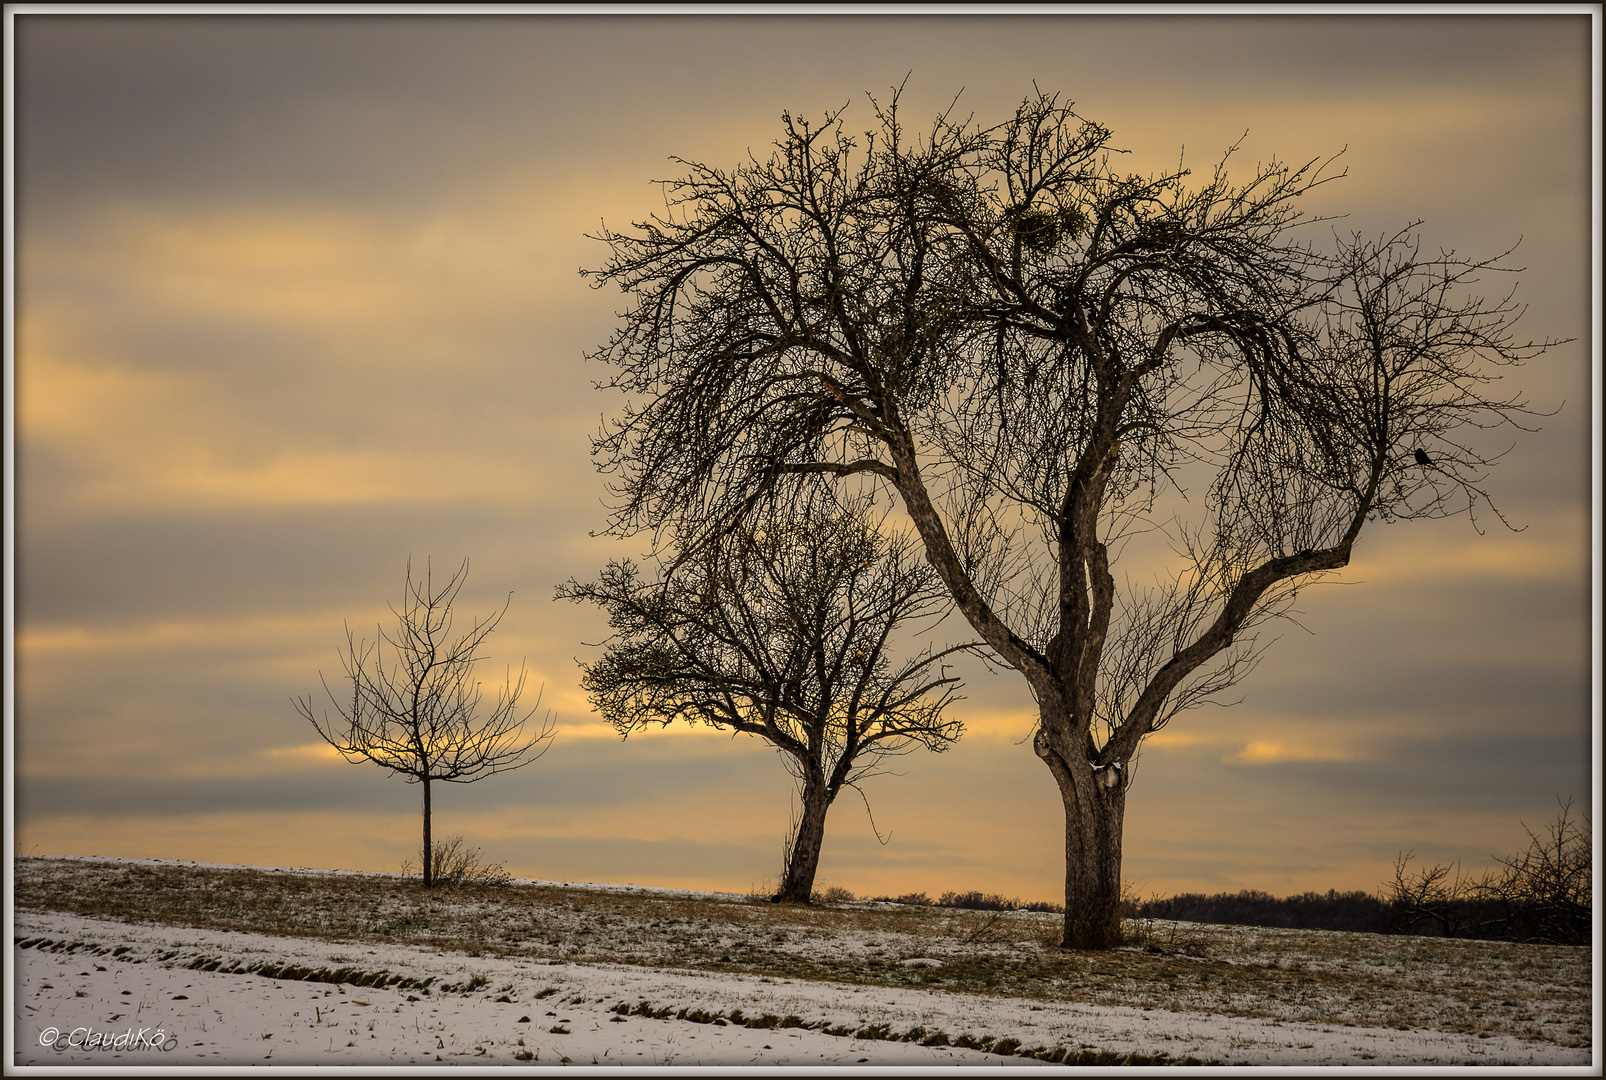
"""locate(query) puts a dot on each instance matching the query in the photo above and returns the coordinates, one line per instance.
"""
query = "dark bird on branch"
(1422, 457)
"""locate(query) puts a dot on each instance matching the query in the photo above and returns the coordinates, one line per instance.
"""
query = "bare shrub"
(978, 901)
(915, 899)
(833, 894)
(458, 865)
(1438, 898)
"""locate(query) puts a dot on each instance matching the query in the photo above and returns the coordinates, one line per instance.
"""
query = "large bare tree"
(414, 707)
(790, 632)
(1047, 358)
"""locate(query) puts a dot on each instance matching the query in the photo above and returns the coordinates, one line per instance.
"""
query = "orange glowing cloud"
(1274, 751)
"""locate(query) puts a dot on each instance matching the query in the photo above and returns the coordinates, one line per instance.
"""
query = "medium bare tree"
(785, 632)
(1046, 358)
(414, 706)
(1547, 890)
(1541, 894)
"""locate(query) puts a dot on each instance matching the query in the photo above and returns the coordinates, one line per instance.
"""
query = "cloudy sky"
(297, 299)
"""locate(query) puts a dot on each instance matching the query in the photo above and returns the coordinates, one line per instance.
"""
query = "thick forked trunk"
(803, 860)
(429, 849)
(1093, 864)
(1094, 808)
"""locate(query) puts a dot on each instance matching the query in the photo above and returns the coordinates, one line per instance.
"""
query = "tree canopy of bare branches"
(414, 707)
(787, 632)
(1045, 357)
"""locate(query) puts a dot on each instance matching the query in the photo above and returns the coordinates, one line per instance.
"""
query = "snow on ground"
(146, 1006)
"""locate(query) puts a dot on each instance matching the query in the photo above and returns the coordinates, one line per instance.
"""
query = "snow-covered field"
(72, 1008)
(93, 991)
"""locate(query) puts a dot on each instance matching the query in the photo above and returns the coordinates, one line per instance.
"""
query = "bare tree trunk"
(804, 859)
(1093, 868)
(429, 850)
(1095, 805)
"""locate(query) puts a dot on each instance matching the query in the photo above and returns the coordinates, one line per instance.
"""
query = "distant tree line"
(1356, 911)
(1539, 895)
(974, 901)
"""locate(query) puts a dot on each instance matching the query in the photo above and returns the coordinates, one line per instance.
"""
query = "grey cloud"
(574, 775)
(1410, 775)
(371, 107)
(1470, 774)
(138, 796)
(110, 570)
